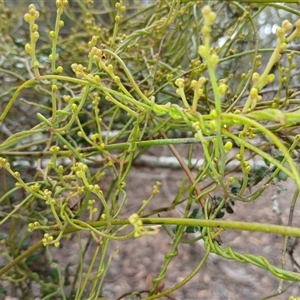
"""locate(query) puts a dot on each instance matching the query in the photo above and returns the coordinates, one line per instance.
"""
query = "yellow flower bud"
(203, 51)
(28, 48)
(255, 77)
(228, 146)
(214, 59)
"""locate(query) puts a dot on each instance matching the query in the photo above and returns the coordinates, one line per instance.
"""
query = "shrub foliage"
(87, 88)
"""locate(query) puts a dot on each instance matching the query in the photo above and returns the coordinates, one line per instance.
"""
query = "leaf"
(194, 215)
(257, 174)
(229, 209)
(235, 188)
(218, 200)
(174, 228)
(192, 229)
(267, 162)
(54, 275)
(220, 215)
(279, 156)
(282, 176)
(189, 229)
(282, 187)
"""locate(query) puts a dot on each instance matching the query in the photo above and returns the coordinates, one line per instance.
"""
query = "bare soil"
(220, 278)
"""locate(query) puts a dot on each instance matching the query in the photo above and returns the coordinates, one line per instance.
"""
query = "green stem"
(185, 280)
(255, 227)
(275, 140)
(14, 97)
(88, 274)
